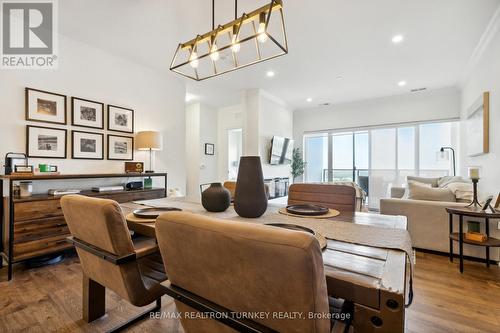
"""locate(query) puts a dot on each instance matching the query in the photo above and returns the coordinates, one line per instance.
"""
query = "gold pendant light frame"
(188, 51)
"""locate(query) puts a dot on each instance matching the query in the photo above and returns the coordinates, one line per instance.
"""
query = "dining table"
(367, 257)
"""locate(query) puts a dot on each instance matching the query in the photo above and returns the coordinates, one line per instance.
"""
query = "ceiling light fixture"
(402, 83)
(249, 39)
(398, 39)
(270, 74)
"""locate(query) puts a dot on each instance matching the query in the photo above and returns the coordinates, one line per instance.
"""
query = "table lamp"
(149, 140)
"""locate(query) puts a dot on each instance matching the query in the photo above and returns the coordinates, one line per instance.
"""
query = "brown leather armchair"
(339, 197)
(243, 268)
(109, 259)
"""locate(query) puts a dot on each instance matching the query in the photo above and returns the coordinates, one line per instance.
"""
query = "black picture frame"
(28, 117)
(73, 122)
(86, 158)
(28, 137)
(120, 159)
(209, 149)
(110, 128)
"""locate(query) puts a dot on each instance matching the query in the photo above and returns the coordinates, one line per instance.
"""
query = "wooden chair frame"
(94, 293)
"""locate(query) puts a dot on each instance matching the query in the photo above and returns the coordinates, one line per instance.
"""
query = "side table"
(460, 236)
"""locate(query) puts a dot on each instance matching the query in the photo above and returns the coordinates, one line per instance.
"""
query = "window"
(379, 158)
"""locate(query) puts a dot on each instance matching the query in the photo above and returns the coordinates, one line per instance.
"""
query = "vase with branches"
(298, 165)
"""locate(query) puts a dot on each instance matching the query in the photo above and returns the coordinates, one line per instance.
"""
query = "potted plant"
(298, 165)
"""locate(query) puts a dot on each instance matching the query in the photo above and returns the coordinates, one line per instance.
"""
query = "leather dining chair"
(109, 259)
(241, 267)
(339, 197)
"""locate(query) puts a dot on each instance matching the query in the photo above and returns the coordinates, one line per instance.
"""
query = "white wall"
(230, 117)
(276, 118)
(424, 106)
(208, 134)
(485, 76)
(201, 128)
(192, 151)
(88, 72)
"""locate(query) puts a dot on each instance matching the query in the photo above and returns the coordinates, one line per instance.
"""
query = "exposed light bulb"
(214, 54)
(262, 36)
(193, 60)
(236, 44)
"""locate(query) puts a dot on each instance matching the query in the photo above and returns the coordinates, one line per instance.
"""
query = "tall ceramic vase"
(250, 199)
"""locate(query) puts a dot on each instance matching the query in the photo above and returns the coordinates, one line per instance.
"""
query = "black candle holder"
(475, 201)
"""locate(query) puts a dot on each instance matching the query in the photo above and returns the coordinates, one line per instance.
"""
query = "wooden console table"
(460, 237)
(35, 226)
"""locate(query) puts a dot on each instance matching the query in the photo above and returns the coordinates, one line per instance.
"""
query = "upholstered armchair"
(109, 259)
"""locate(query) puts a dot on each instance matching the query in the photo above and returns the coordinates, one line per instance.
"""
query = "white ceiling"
(327, 38)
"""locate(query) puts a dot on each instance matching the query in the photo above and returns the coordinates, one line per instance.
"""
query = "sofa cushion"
(432, 181)
(422, 192)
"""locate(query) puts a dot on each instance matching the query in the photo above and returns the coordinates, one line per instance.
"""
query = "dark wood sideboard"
(35, 226)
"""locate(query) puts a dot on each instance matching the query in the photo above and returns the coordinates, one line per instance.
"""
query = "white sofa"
(428, 224)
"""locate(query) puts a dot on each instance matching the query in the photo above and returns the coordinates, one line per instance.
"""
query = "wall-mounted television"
(281, 151)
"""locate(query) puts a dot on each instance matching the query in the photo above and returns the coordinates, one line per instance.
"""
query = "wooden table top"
(473, 212)
(363, 274)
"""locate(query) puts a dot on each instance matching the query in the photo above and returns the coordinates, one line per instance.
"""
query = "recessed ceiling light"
(402, 83)
(309, 100)
(398, 39)
(339, 77)
(270, 73)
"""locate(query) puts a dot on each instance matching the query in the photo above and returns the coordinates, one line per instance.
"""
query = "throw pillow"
(432, 181)
(419, 192)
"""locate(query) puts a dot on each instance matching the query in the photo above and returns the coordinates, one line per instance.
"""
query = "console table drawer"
(40, 247)
(31, 210)
(26, 231)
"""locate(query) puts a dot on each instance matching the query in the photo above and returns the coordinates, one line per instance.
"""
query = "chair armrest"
(112, 258)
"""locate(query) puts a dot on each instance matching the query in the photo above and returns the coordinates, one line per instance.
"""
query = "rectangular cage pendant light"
(252, 38)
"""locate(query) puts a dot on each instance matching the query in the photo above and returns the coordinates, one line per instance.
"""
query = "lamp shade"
(147, 140)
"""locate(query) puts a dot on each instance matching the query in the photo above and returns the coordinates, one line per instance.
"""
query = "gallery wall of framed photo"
(87, 136)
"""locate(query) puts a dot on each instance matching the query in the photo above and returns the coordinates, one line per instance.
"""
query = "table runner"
(348, 232)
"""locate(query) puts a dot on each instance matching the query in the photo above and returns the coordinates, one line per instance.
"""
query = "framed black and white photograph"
(120, 148)
(87, 113)
(44, 106)
(120, 119)
(45, 142)
(209, 149)
(87, 146)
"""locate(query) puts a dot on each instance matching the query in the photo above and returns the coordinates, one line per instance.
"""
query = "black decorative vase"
(216, 198)
(250, 199)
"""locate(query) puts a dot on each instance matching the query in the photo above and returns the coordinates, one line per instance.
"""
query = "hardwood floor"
(49, 299)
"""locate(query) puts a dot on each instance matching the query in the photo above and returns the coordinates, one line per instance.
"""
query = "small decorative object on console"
(25, 189)
(134, 185)
(107, 188)
(474, 176)
(13, 159)
(23, 169)
(134, 167)
(476, 236)
(63, 192)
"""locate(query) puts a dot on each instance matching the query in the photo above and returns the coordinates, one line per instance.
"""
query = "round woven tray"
(331, 213)
(132, 218)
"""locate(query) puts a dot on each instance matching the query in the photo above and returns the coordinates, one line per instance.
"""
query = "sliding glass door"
(379, 158)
